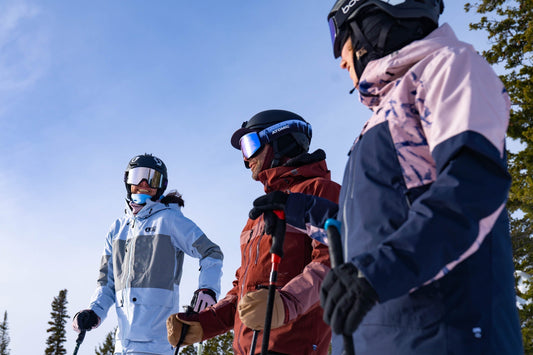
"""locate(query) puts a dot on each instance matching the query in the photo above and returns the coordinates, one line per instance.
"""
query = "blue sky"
(84, 86)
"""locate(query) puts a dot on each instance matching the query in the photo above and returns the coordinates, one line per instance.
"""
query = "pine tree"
(219, 345)
(509, 25)
(4, 336)
(57, 336)
(108, 347)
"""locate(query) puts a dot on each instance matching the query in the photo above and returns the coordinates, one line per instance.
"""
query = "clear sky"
(86, 85)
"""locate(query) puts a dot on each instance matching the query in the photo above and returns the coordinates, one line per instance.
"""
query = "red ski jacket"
(304, 264)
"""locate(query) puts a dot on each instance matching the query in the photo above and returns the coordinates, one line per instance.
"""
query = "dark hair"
(173, 197)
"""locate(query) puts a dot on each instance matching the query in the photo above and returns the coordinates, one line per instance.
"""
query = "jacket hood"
(303, 167)
(380, 75)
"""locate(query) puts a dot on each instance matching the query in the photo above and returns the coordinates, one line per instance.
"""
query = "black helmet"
(154, 172)
(288, 142)
(346, 16)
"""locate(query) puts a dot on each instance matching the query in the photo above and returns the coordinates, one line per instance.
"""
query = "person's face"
(143, 188)
(256, 162)
(347, 61)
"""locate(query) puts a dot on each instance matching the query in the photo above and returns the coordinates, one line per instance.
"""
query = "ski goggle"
(153, 177)
(337, 22)
(252, 142)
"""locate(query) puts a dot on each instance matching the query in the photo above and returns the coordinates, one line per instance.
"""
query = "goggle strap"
(294, 126)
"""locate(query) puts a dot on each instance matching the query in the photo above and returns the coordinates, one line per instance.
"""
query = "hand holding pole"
(277, 230)
(333, 227)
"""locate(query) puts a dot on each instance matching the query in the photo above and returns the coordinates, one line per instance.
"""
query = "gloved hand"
(346, 298)
(202, 299)
(175, 323)
(252, 310)
(265, 205)
(301, 211)
(85, 320)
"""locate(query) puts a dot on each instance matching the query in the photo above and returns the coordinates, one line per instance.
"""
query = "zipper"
(127, 283)
(249, 246)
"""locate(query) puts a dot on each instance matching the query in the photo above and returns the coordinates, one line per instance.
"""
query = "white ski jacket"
(141, 270)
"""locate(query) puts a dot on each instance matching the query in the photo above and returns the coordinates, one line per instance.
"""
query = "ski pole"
(254, 342)
(276, 252)
(184, 330)
(335, 253)
(79, 340)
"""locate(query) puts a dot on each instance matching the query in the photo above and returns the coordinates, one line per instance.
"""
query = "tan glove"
(252, 310)
(175, 323)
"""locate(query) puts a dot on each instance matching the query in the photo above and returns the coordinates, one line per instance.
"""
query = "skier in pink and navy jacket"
(429, 266)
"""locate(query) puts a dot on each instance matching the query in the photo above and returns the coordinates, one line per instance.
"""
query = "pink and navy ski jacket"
(422, 204)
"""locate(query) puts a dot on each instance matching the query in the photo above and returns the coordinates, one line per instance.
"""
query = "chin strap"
(278, 155)
(363, 50)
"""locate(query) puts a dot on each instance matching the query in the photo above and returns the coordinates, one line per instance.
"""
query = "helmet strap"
(279, 154)
(363, 50)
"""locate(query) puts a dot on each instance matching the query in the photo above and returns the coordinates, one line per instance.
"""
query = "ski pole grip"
(333, 228)
(334, 241)
(81, 336)
(279, 234)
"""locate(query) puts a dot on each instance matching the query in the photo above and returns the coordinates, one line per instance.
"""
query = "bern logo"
(347, 8)
(158, 161)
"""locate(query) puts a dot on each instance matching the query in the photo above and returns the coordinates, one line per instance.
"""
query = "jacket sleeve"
(308, 214)
(195, 243)
(464, 113)
(303, 291)
(104, 295)
(220, 318)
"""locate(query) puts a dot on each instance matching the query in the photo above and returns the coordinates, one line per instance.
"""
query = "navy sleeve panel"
(309, 214)
(444, 222)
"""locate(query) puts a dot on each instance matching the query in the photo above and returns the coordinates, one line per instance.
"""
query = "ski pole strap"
(79, 340)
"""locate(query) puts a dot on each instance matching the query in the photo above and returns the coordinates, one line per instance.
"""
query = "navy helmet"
(146, 167)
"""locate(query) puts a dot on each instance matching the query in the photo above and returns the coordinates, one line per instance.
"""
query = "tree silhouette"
(59, 315)
(219, 345)
(108, 347)
(4, 336)
(509, 26)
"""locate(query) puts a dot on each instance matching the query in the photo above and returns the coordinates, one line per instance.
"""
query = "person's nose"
(343, 64)
(144, 183)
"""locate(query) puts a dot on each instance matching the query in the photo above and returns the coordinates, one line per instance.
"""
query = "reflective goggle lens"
(332, 30)
(152, 176)
(250, 144)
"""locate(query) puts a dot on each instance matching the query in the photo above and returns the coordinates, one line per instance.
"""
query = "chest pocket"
(145, 261)
(153, 262)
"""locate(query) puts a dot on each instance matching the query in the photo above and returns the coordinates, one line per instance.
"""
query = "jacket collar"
(149, 209)
(303, 167)
(380, 75)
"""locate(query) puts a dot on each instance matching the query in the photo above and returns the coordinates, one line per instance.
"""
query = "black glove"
(274, 223)
(346, 298)
(301, 210)
(85, 320)
(272, 201)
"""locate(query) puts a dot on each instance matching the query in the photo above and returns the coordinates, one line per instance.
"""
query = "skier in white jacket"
(142, 263)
